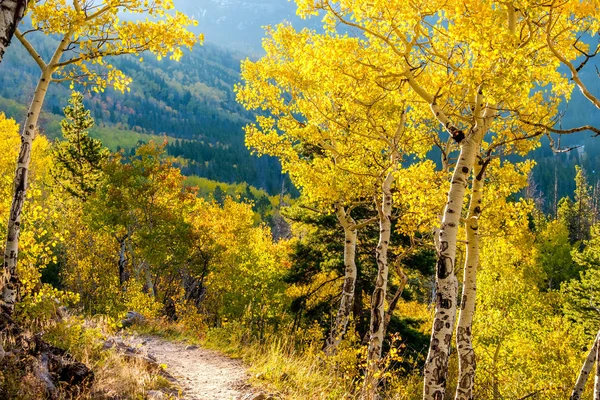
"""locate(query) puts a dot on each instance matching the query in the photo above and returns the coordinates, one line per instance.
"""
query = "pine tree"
(219, 195)
(583, 206)
(79, 158)
(578, 215)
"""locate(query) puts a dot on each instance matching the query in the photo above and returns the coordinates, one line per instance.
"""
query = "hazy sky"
(238, 23)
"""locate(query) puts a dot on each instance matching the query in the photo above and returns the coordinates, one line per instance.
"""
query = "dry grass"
(115, 376)
(168, 330)
(120, 378)
(293, 367)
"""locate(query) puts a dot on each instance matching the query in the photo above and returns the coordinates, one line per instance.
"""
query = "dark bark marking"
(443, 303)
(349, 285)
(444, 267)
(24, 153)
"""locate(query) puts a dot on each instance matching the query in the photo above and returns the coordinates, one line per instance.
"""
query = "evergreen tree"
(78, 158)
(578, 216)
(583, 206)
(554, 254)
(566, 215)
(219, 195)
(582, 296)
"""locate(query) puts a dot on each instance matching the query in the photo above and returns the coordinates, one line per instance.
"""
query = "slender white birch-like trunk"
(350, 273)
(10, 281)
(379, 294)
(436, 364)
(597, 377)
(585, 371)
(378, 325)
(11, 13)
(464, 344)
(148, 275)
(446, 285)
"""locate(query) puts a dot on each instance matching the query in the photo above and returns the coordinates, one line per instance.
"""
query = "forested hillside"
(436, 236)
(557, 170)
(192, 100)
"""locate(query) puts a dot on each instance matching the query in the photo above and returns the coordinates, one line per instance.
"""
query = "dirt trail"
(203, 374)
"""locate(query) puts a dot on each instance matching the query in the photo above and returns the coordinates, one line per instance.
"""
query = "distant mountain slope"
(192, 99)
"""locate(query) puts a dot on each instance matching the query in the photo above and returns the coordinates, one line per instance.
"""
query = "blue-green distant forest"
(191, 104)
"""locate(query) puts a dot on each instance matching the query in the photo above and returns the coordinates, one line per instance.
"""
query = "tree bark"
(584, 373)
(122, 261)
(149, 285)
(378, 325)
(377, 305)
(10, 280)
(466, 354)
(597, 377)
(436, 364)
(446, 285)
(11, 13)
(350, 273)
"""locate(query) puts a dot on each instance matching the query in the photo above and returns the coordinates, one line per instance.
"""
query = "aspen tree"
(384, 207)
(585, 372)
(565, 26)
(476, 78)
(316, 149)
(11, 13)
(348, 120)
(89, 33)
(342, 317)
(464, 327)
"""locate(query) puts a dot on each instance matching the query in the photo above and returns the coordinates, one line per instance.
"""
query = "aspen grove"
(418, 247)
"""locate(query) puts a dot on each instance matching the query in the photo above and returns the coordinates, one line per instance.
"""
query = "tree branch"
(38, 59)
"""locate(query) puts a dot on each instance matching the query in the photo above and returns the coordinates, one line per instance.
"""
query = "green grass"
(206, 187)
(115, 138)
(111, 137)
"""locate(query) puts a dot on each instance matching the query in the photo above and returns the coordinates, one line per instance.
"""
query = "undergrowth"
(115, 377)
(293, 365)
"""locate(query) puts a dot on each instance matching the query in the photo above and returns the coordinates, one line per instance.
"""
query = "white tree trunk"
(378, 325)
(350, 273)
(585, 371)
(436, 364)
(379, 294)
(11, 13)
(464, 344)
(10, 279)
(597, 377)
(149, 283)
